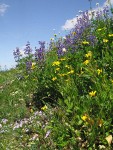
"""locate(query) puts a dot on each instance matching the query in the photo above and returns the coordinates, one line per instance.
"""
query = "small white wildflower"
(80, 11)
(4, 121)
(0, 125)
(35, 137)
(47, 134)
(102, 147)
(64, 50)
(64, 38)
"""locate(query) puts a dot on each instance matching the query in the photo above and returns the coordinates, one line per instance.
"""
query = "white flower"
(0, 125)
(64, 38)
(47, 134)
(4, 121)
(64, 50)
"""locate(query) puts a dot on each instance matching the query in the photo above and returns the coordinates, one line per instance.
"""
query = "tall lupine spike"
(40, 53)
(17, 54)
(60, 47)
(28, 65)
(28, 49)
(42, 45)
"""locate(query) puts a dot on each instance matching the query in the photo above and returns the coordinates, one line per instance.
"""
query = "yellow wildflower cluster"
(67, 66)
(105, 40)
(87, 119)
(62, 75)
(56, 63)
(88, 56)
(110, 35)
(58, 70)
(92, 93)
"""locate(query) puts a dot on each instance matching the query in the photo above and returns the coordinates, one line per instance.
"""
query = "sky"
(35, 20)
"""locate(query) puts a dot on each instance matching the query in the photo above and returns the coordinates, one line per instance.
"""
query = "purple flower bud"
(28, 65)
(17, 54)
(28, 49)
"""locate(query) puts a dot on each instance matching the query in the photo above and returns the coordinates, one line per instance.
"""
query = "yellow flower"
(31, 110)
(54, 78)
(44, 107)
(92, 93)
(105, 40)
(57, 69)
(67, 80)
(87, 119)
(99, 71)
(110, 35)
(85, 42)
(84, 118)
(62, 75)
(112, 80)
(89, 54)
(33, 66)
(74, 33)
(62, 59)
(71, 72)
(86, 62)
(100, 122)
(99, 29)
(67, 66)
(56, 63)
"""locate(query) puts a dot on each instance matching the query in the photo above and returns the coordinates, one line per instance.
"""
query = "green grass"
(63, 103)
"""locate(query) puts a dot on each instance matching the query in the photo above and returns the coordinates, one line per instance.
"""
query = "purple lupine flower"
(28, 65)
(60, 47)
(39, 56)
(17, 54)
(42, 45)
(40, 53)
(106, 10)
(91, 38)
(28, 49)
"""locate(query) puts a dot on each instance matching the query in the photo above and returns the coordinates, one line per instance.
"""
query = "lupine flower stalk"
(17, 54)
(28, 49)
(40, 53)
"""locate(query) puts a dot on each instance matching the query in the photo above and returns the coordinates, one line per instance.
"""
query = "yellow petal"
(109, 139)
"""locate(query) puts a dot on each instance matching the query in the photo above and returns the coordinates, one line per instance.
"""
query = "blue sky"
(34, 20)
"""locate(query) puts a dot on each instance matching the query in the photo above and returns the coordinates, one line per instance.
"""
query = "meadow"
(62, 98)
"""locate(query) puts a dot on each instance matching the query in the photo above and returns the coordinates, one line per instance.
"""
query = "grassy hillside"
(62, 99)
